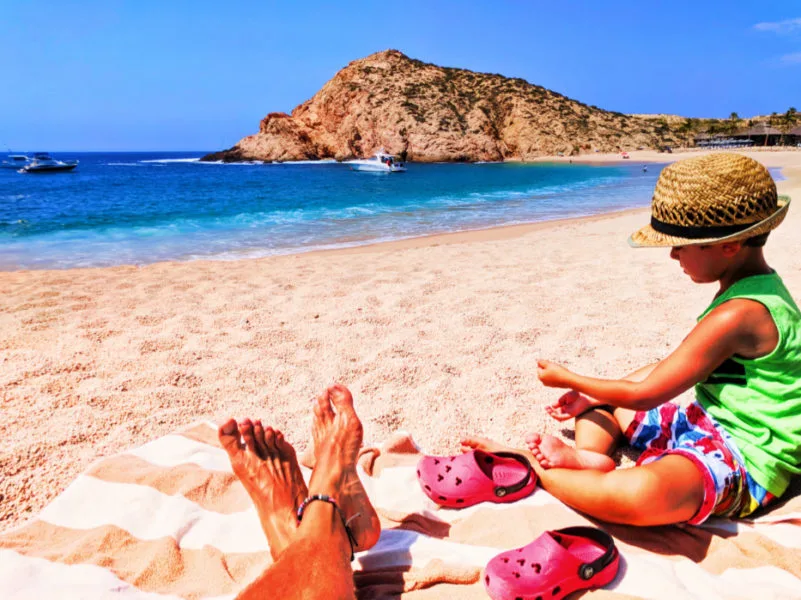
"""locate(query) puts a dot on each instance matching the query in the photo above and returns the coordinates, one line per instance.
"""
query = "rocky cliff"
(440, 114)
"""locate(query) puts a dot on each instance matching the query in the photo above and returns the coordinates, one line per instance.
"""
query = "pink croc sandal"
(476, 476)
(554, 565)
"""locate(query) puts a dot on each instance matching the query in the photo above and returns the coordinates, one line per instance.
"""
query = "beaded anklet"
(345, 522)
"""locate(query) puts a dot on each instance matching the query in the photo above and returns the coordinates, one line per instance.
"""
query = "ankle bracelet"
(332, 502)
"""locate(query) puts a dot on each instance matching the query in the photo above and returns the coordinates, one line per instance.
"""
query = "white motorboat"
(44, 163)
(15, 161)
(381, 162)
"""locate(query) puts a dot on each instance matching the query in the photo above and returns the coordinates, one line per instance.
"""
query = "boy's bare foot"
(553, 453)
(267, 466)
(487, 445)
(337, 433)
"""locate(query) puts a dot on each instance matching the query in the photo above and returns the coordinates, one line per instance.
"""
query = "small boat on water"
(381, 162)
(42, 162)
(15, 161)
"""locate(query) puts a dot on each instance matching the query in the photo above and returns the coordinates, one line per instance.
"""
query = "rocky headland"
(434, 114)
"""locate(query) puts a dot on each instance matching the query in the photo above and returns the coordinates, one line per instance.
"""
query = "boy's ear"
(729, 249)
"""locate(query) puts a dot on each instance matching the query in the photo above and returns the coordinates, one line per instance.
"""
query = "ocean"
(139, 208)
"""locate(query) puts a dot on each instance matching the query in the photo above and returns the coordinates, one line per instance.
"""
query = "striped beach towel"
(169, 520)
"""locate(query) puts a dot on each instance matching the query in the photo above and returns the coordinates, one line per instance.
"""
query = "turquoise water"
(147, 207)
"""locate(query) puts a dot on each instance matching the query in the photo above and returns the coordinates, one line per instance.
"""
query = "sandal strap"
(505, 490)
(588, 570)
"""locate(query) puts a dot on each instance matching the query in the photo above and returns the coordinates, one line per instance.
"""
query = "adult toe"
(230, 437)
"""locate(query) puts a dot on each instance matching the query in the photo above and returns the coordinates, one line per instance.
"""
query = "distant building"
(795, 136)
(721, 141)
(759, 134)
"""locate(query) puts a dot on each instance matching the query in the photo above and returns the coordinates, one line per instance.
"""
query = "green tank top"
(758, 401)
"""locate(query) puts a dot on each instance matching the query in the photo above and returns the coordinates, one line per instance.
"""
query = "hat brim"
(648, 237)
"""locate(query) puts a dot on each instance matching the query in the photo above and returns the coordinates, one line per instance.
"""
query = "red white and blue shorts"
(729, 490)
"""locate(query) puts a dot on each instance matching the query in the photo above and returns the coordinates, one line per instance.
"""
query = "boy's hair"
(757, 241)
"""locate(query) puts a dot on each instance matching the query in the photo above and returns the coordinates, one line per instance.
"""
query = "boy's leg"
(597, 433)
(597, 430)
(668, 490)
(600, 429)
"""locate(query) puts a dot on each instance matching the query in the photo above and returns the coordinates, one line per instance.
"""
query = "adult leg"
(316, 562)
(337, 402)
(316, 565)
(267, 467)
(311, 560)
(669, 490)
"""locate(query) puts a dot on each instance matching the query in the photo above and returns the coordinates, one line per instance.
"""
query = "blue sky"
(197, 75)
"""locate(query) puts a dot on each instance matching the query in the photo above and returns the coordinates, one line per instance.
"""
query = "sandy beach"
(438, 336)
(772, 156)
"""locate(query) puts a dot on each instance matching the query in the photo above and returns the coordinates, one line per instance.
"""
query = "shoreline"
(780, 159)
(488, 234)
(771, 156)
(437, 335)
(495, 232)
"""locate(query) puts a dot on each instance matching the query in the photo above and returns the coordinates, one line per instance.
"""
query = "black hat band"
(695, 232)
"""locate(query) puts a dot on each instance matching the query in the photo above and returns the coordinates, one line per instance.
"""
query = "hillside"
(440, 114)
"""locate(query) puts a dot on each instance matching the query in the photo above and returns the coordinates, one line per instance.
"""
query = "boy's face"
(705, 264)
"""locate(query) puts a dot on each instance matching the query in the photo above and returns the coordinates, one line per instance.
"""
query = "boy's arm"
(717, 337)
(572, 404)
(641, 373)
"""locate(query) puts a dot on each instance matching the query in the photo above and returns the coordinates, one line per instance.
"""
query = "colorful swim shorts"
(729, 490)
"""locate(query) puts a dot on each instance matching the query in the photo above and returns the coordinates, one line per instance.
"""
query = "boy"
(737, 446)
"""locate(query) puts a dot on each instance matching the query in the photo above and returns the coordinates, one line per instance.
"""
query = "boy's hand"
(553, 375)
(569, 406)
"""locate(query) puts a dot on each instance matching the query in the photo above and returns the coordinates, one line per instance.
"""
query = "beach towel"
(169, 520)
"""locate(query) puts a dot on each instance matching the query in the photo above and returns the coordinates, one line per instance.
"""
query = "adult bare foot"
(267, 466)
(338, 433)
(553, 453)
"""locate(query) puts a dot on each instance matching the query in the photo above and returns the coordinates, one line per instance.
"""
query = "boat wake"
(325, 161)
(171, 160)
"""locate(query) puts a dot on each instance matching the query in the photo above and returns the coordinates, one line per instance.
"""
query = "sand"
(438, 336)
(772, 156)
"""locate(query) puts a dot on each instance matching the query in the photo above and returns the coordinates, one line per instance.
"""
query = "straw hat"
(720, 197)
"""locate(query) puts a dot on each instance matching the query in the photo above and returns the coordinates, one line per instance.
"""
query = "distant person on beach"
(312, 533)
(737, 446)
